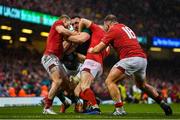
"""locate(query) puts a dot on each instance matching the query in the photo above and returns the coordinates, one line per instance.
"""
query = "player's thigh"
(116, 74)
(140, 75)
(86, 80)
(77, 90)
(52, 65)
(93, 67)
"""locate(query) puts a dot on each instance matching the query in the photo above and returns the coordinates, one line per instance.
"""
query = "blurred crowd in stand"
(21, 74)
(145, 17)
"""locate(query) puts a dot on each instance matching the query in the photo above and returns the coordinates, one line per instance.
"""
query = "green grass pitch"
(135, 111)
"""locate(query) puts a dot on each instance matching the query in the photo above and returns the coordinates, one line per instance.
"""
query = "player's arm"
(84, 23)
(98, 48)
(69, 47)
(81, 58)
(80, 38)
(66, 45)
(61, 29)
(109, 36)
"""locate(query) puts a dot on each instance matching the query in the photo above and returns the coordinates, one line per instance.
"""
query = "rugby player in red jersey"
(133, 61)
(52, 56)
(92, 66)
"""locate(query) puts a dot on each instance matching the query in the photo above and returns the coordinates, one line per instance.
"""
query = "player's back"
(125, 42)
(96, 36)
(54, 41)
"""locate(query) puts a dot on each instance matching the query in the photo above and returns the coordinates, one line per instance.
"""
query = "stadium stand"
(145, 17)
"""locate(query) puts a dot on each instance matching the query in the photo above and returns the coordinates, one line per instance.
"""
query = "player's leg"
(152, 92)
(52, 92)
(89, 70)
(86, 92)
(56, 82)
(77, 90)
(144, 86)
(123, 68)
(77, 81)
(52, 65)
(78, 105)
(65, 104)
(140, 77)
(116, 74)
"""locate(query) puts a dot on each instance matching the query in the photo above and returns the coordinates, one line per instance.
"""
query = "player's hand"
(75, 33)
(90, 50)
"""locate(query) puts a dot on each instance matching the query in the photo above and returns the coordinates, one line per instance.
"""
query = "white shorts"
(95, 68)
(51, 61)
(133, 65)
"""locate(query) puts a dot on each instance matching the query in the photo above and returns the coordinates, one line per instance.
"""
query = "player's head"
(66, 20)
(75, 22)
(110, 20)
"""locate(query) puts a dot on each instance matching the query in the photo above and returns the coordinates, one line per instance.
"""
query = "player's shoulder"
(115, 27)
(96, 27)
(58, 22)
(93, 25)
(119, 25)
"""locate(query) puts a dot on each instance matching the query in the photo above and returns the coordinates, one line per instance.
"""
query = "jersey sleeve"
(57, 23)
(93, 26)
(109, 37)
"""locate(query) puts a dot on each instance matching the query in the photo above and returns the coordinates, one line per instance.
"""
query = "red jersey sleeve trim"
(91, 25)
(59, 22)
(105, 42)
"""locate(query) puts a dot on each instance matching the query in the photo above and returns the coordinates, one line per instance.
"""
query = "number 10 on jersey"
(129, 32)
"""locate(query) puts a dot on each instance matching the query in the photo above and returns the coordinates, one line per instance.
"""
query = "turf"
(135, 111)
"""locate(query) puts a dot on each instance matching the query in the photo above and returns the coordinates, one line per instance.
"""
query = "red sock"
(48, 103)
(81, 95)
(90, 95)
(119, 104)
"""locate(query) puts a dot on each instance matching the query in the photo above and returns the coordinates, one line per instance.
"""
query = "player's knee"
(140, 85)
(84, 87)
(55, 77)
(76, 92)
(86, 83)
(108, 82)
(58, 82)
(140, 82)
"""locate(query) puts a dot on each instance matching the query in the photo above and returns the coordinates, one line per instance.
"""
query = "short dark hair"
(64, 16)
(111, 18)
(76, 16)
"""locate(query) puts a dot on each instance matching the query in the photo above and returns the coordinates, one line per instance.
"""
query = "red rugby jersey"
(96, 36)
(124, 41)
(54, 44)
